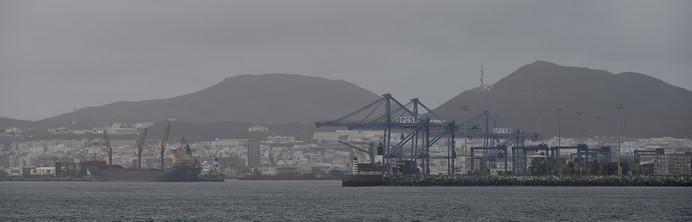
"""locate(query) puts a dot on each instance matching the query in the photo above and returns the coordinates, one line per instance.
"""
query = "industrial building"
(253, 153)
(673, 164)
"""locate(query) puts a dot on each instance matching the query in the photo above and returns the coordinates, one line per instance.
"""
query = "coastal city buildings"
(324, 152)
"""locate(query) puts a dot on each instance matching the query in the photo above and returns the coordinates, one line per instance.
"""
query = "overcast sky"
(57, 55)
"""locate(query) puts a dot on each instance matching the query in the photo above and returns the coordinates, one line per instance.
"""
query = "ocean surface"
(235, 200)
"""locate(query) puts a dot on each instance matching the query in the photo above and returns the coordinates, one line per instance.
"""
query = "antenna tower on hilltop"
(482, 83)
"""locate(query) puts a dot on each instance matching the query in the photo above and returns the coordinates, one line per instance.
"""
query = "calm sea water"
(327, 201)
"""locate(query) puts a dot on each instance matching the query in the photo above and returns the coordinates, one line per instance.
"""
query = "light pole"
(465, 108)
(581, 128)
(619, 107)
(559, 110)
(557, 151)
(595, 131)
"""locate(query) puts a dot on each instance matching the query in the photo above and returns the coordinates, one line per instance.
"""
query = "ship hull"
(181, 174)
(362, 181)
(126, 175)
(178, 174)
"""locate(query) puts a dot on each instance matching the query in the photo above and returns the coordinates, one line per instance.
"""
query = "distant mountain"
(268, 98)
(529, 98)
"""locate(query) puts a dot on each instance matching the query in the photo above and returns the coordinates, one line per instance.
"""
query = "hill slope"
(7, 122)
(529, 98)
(268, 98)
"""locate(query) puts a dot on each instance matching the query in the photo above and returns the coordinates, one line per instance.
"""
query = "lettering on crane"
(437, 121)
(502, 130)
(406, 119)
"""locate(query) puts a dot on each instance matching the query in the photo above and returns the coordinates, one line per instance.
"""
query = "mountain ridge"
(265, 98)
(529, 97)
(9, 122)
(526, 98)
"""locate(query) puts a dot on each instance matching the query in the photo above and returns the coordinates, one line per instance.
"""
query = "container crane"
(496, 141)
(396, 117)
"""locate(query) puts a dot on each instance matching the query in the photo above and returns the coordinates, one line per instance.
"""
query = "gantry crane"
(496, 141)
(405, 119)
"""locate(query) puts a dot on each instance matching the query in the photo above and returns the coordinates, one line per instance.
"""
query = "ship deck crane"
(109, 149)
(140, 146)
(164, 140)
(368, 150)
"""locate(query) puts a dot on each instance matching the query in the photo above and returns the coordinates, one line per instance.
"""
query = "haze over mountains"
(527, 98)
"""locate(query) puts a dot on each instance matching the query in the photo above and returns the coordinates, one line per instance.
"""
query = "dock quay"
(529, 181)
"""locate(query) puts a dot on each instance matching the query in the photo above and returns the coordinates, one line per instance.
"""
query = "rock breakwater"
(539, 181)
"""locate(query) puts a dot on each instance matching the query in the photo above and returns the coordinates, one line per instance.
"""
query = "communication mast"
(482, 83)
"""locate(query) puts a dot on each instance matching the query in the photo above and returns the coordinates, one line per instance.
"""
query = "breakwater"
(538, 181)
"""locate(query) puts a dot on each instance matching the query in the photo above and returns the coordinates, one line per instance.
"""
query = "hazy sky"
(56, 55)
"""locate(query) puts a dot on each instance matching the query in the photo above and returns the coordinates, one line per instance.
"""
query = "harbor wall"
(538, 181)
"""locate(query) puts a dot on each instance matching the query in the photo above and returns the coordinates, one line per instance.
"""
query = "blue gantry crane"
(496, 140)
(418, 132)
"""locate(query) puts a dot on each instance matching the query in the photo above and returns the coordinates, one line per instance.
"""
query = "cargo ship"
(184, 169)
